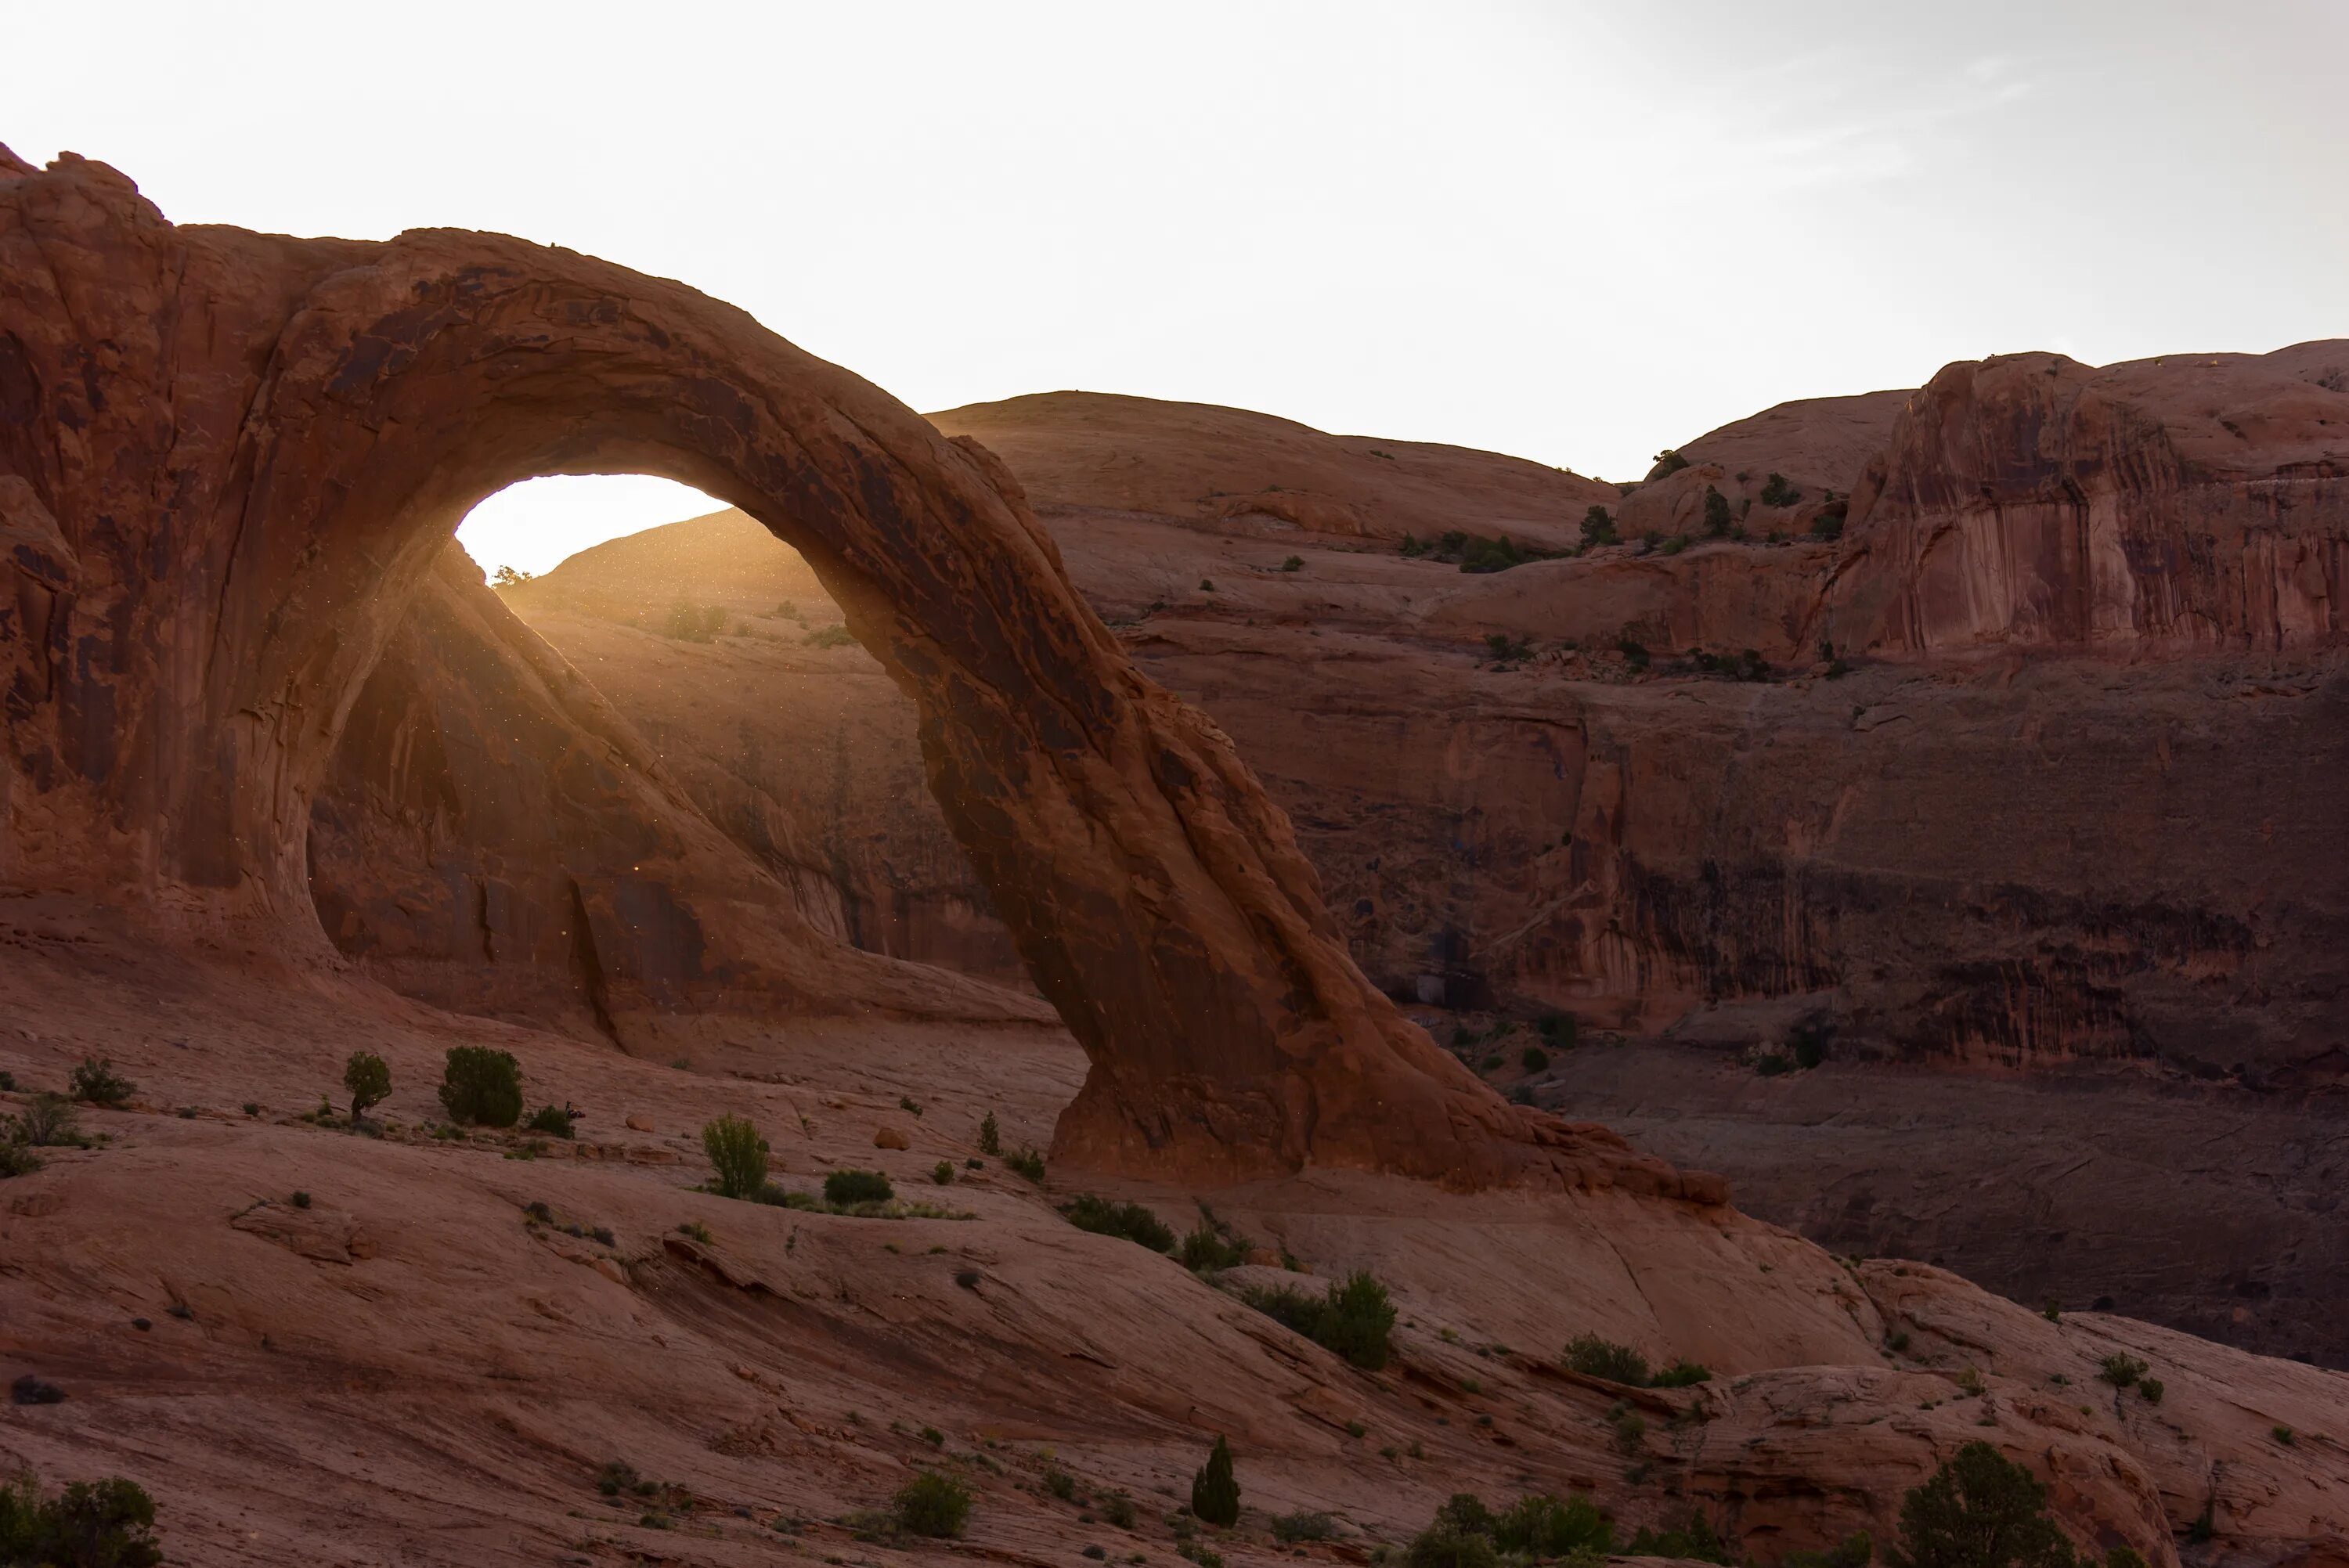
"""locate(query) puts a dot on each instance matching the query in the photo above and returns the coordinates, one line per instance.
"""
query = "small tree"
(1778, 492)
(507, 577)
(481, 1087)
(1214, 1490)
(738, 1154)
(368, 1079)
(1717, 518)
(991, 1137)
(1979, 1510)
(1597, 528)
(106, 1523)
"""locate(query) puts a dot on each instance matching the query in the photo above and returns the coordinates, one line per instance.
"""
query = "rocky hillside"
(2101, 860)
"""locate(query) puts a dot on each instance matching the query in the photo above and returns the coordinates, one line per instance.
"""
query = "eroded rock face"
(254, 449)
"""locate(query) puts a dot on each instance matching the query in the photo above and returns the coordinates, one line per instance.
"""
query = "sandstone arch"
(227, 460)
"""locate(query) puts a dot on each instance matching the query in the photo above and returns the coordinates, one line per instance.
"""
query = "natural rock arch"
(226, 460)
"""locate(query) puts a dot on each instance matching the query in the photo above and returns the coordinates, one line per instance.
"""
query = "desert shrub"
(2121, 1370)
(2283, 1435)
(1293, 563)
(96, 1080)
(832, 636)
(2118, 1557)
(1413, 547)
(1675, 544)
(2150, 1390)
(694, 623)
(1061, 1483)
(1596, 1357)
(1597, 528)
(1543, 1526)
(1630, 1427)
(1206, 1248)
(616, 1477)
(1439, 1546)
(1979, 1510)
(1355, 1320)
(1717, 517)
(943, 1173)
(1778, 492)
(1557, 1029)
(1774, 1064)
(556, 1122)
(1118, 1509)
(1026, 1161)
(1503, 646)
(369, 1080)
(1856, 1550)
(17, 1158)
(1215, 1491)
(991, 1137)
(1668, 462)
(1808, 1041)
(847, 1187)
(48, 1122)
(1359, 1321)
(1697, 1539)
(934, 1504)
(1534, 1058)
(507, 577)
(1136, 1224)
(1289, 1529)
(1680, 1375)
(1634, 651)
(7, 1081)
(481, 1087)
(738, 1155)
(106, 1523)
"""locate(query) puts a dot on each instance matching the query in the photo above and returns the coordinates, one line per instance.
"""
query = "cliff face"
(2193, 503)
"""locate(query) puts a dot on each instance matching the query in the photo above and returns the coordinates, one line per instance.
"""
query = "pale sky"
(1575, 231)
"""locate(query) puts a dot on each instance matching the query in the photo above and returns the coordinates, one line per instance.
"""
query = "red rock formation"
(253, 448)
(2196, 501)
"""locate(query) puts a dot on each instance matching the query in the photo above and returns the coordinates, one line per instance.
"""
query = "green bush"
(1680, 1375)
(2150, 1390)
(1635, 653)
(1503, 647)
(1355, 1320)
(106, 1523)
(1596, 1357)
(1630, 1429)
(1118, 1509)
(1717, 517)
(1695, 1540)
(943, 1173)
(1438, 1547)
(2121, 1370)
(934, 1504)
(95, 1081)
(1534, 1058)
(1543, 1526)
(1668, 462)
(369, 1080)
(1675, 544)
(1558, 1029)
(1778, 492)
(1215, 1491)
(1597, 528)
(1136, 1224)
(1856, 1550)
(1289, 1529)
(1979, 1510)
(832, 636)
(480, 1086)
(1293, 563)
(1026, 1161)
(991, 1137)
(738, 1155)
(17, 1158)
(1205, 1248)
(556, 1122)
(847, 1187)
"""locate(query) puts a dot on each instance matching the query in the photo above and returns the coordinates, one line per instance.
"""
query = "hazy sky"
(1576, 232)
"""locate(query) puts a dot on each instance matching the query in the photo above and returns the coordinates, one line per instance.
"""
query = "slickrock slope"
(411, 1361)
